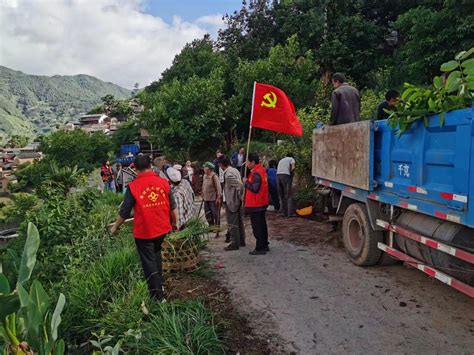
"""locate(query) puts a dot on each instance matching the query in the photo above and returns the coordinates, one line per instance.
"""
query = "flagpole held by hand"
(250, 135)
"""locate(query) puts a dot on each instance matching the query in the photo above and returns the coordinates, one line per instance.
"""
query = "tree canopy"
(203, 100)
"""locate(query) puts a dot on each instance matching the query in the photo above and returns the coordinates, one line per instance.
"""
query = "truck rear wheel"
(360, 240)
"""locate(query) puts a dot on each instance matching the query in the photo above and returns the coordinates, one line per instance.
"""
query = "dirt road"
(308, 297)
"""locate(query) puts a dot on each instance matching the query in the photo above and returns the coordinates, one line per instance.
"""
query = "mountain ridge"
(36, 104)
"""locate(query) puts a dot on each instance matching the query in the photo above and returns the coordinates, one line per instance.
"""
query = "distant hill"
(33, 104)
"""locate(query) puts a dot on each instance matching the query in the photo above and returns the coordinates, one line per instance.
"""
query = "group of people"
(162, 197)
(240, 195)
(162, 200)
(245, 187)
(115, 177)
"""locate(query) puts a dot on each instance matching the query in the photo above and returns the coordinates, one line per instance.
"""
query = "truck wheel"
(360, 240)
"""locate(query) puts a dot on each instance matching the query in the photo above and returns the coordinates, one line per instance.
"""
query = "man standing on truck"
(391, 99)
(345, 101)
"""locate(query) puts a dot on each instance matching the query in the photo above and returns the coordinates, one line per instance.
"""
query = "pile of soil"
(237, 334)
(302, 231)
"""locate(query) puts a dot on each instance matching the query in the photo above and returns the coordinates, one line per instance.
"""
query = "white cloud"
(111, 39)
(213, 20)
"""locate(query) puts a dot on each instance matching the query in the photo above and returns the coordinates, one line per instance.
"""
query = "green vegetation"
(176, 321)
(101, 279)
(118, 108)
(29, 325)
(32, 103)
(69, 155)
(453, 92)
(203, 100)
(69, 148)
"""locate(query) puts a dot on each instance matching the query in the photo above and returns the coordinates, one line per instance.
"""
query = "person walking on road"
(345, 101)
(154, 208)
(285, 171)
(211, 194)
(233, 190)
(256, 202)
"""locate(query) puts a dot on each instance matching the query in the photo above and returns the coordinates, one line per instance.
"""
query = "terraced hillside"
(32, 104)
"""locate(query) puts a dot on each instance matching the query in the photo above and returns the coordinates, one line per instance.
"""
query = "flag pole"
(250, 131)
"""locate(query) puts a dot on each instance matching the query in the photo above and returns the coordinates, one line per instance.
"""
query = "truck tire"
(360, 240)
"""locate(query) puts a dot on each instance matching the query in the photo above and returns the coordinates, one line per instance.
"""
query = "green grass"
(180, 328)
(106, 293)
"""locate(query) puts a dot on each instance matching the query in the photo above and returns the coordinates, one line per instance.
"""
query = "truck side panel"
(428, 164)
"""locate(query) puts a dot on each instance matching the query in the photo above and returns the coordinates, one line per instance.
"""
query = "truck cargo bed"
(427, 169)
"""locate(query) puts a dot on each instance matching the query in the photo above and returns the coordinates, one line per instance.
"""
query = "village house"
(6, 177)
(94, 123)
(11, 159)
(27, 157)
(72, 125)
(95, 119)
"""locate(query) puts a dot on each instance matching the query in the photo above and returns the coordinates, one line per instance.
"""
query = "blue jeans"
(109, 186)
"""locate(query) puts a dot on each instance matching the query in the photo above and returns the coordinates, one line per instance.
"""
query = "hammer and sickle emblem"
(270, 100)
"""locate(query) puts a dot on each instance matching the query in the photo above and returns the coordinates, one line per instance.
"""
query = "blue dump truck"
(408, 197)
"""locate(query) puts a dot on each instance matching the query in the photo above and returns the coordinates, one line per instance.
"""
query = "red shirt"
(152, 206)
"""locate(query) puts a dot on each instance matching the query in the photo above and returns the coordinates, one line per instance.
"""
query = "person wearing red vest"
(155, 216)
(256, 202)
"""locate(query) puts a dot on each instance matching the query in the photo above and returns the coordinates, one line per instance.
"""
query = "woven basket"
(179, 256)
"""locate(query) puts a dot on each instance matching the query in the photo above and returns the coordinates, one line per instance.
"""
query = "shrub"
(370, 99)
(16, 211)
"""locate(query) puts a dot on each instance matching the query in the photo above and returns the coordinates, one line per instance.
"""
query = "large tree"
(70, 148)
(433, 34)
(185, 117)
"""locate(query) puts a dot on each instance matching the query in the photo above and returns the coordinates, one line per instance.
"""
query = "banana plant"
(27, 325)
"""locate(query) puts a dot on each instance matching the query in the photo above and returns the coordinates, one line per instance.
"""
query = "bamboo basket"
(179, 256)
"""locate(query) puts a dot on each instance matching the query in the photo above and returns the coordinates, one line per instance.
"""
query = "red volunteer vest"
(152, 206)
(259, 199)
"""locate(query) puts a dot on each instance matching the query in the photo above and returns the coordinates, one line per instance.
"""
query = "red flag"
(273, 110)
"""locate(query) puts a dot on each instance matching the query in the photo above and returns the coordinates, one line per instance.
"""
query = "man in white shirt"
(285, 171)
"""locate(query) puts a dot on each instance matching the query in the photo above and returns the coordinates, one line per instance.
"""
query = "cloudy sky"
(122, 41)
